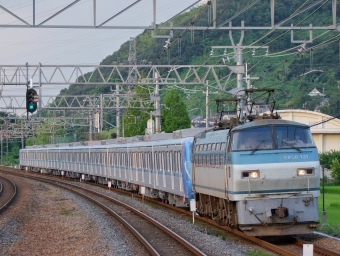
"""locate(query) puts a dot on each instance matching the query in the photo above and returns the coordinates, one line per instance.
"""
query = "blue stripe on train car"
(273, 156)
(186, 167)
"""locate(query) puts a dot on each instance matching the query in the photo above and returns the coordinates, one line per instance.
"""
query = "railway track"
(295, 248)
(155, 237)
(8, 192)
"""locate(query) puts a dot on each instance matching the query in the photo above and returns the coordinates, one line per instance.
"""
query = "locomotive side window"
(218, 146)
(223, 146)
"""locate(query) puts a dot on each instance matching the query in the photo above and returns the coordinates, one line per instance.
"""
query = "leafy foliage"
(326, 158)
(174, 114)
(135, 119)
(335, 166)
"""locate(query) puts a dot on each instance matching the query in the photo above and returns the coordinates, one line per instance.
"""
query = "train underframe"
(221, 210)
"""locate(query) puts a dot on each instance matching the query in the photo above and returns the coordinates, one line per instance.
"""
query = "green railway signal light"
(31, 100)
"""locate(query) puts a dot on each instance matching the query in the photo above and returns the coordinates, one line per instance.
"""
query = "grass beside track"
(332, 208)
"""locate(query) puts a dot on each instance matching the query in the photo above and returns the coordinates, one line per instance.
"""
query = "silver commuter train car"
(161, 163)
(266, 188)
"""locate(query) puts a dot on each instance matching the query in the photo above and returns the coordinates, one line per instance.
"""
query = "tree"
(335, 166)
(327, 158)
(135, 120)
(174, 115)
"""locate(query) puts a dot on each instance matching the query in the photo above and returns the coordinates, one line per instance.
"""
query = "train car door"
(226, 167)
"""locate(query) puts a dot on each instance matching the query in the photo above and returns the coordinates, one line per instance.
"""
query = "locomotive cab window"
(291, 136)
(250, 139)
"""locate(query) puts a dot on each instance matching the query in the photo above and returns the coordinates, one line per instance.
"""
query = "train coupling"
(281, 212)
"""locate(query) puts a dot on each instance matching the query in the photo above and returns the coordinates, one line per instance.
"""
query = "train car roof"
(143, 141)
(261, 122)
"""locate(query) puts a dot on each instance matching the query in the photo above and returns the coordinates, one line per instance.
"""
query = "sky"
(54, 46)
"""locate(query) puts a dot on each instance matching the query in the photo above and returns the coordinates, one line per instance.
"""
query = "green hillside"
(281, 68)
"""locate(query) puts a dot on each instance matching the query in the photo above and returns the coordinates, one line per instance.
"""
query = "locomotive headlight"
(251, 174)
(305, 171)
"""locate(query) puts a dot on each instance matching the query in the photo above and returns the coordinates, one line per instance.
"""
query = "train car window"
(213, 146)
(166, 162)
(150, 162)
(292, 136)
(250, 139)
(134, 160)
(209, 160)
(163, 161)
(217, 164)
(179, 162)
(174, 166)
(222, 159)
(156, 162)
(171, 161)
(209, 146)
(130, 159)
(137, 162)
(160, 158)
(140, 159)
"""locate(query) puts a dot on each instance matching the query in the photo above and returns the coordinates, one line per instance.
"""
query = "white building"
(326, 134)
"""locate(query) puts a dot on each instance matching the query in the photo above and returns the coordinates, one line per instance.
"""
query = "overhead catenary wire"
(181, 34)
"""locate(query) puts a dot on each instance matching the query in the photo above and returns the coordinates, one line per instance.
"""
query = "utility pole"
(1, 145)
(22, 134)
(117, 111)
(157, 106)
(207, 107)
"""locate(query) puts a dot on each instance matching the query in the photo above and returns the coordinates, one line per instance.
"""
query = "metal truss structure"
(80, 102)
(124, 75)
(154, 26)
(118, 74)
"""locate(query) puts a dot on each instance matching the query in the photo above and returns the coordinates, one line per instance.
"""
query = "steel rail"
(191, 248)
(12, 197)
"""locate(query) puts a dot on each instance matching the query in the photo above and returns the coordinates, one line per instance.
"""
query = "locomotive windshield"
(262, 138)
(257, 138)
(290, 136)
